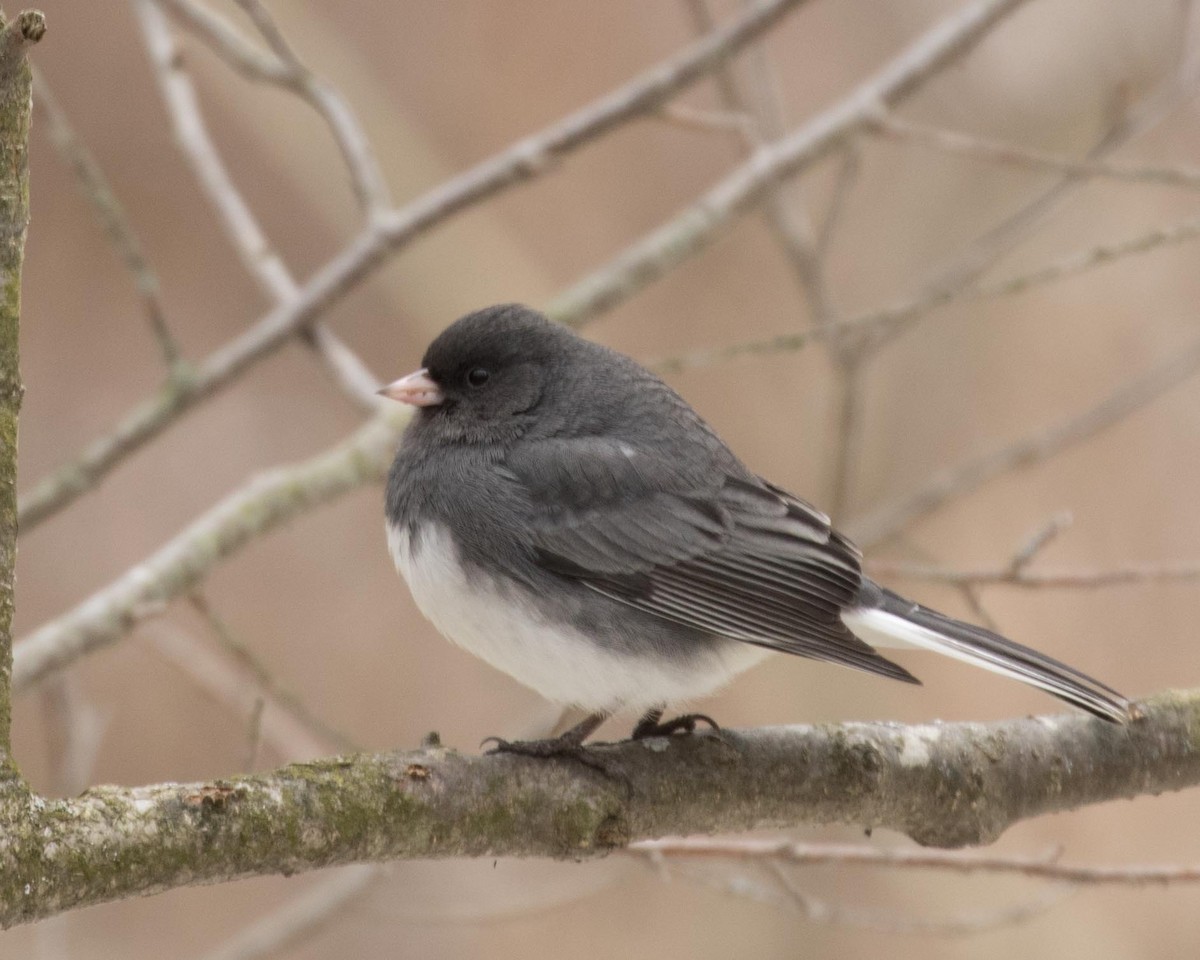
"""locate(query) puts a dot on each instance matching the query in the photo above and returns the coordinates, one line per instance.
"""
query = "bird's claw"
(651, 726)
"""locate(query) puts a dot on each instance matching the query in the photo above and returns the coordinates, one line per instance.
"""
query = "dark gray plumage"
(559, 510)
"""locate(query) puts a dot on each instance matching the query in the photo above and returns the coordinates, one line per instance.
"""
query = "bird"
(561, 512)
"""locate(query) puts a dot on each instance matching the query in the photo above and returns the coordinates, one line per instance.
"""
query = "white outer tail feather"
(882, 628)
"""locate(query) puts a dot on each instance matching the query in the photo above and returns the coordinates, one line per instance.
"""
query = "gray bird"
(562, 513)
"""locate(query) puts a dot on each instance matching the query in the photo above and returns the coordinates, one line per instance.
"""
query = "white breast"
(500, 624)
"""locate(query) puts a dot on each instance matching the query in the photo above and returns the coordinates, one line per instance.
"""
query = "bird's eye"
(478, 377)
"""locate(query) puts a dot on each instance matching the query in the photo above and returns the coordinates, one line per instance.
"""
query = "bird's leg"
(651, 724)
(568, 744)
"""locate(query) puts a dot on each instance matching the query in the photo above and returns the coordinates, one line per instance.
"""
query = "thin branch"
(227, 684)
(524, 161)
(1136, 574)
(111, 214)
(266, 681)
(782, 891)
(942, 784)
(1034, 448)
(300, 918)
(694, 118)
(843, 186)
(1041, 538)
(759, 100)
(966, 923)
(254, 734)
(884, 319)
(286, 70)
(74, 732)
(259, 257)
(832, 854)
(997, 151)
(704, 221)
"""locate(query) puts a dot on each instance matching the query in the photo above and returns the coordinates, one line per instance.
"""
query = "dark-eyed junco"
(562, 513)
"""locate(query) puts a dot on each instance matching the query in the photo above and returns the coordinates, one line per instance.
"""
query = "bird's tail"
(883, 618)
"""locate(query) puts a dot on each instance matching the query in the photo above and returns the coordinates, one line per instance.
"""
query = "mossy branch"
(15, 106)
(943, 785)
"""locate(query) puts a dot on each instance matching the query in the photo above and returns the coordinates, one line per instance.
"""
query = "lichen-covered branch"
(944, 785)
(15, 105)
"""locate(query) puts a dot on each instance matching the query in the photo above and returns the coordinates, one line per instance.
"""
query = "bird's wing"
(690, 539)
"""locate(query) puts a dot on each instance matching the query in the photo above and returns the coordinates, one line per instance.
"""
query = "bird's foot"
(568, 746)
(652, 725)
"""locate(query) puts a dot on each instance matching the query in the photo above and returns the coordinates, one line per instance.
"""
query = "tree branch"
(951, 861)
(111, 215)
(15, 105)
(944, 785)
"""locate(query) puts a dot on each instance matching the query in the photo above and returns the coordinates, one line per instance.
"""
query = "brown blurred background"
(440, 86)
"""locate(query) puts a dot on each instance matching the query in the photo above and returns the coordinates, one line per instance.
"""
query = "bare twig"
(782, 204)
(880, 321)
(701, 223)
(74, 731)
(965, 923)
(301, 917)
(288, 71)
(1039, 540)
(1045, 579)
(999, 152)
(1034, 448)
(254, 734)
(259, 257)
(523, 161)
(111, 215)
(814, 854)
(693, 118)
(266, 680)
(843, 185)
(226, 683)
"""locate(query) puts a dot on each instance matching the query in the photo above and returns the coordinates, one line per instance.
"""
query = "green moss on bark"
(15, 109)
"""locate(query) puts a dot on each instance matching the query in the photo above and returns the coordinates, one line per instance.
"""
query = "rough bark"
(943, 785)
(15, 106)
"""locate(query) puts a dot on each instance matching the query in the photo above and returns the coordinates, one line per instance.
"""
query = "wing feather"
(699, 544)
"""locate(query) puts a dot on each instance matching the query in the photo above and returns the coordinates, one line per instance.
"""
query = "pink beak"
(417, 388)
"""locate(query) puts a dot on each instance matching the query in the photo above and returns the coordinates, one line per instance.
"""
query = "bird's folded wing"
(694, 540)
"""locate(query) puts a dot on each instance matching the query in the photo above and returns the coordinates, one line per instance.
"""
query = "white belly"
(499, 624)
